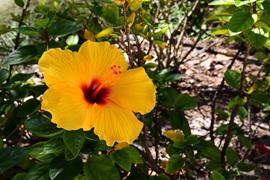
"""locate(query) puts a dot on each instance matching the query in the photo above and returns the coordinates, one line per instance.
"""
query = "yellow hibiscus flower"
(92, 88)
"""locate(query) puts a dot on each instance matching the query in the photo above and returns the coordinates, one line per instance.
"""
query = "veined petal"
(60, 66)
(68, 108)
(115, 124)
(134, 91)
(99, 57)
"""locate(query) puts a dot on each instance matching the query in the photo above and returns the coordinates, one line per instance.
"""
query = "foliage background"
(153, 34)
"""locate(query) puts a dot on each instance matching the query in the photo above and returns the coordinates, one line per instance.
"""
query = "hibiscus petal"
(99, 57)
(60, 66)
(115, 124)
(134, 91)
(68, 108)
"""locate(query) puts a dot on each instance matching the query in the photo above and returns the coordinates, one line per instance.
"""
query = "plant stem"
(235, 109)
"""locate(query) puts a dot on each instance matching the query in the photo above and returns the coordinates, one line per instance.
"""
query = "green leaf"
(240, 21)
(260, 97)
(257, 40)
(209, 150)
(74, 141)
(21, 77)
(19, 3)
(216, 176)
(100, 168)
(45, 151)
(61, 169)
(64, 27)
(31, 31)
(175, 163)
(4, 74)
(21, 55)
(110, 13)
(231, 156)
(239, 3)
(39, 172)
(233, 78)
(179, 121)
(266, 6)
(126, 157)
(185, 102)
(221, 2)
(19, 176)
(41, 126)
(245, 167)
(11, 156)
(28, 107)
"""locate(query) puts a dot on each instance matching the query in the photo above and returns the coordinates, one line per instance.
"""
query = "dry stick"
(17, 39)
(214, 99)
(191, 49)
(131, 61)
(235, 109)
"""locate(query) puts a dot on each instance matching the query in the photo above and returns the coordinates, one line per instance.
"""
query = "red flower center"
(95, 92)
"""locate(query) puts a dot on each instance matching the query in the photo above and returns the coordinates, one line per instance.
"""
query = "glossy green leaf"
(39, 172)
(28, 107)
(4, 74)
(67, 170)
(100, 168)
(233, 78)
(185, 102)
(239, 3)
(21, 55)
(266, 6)
(209, 150)
(231, 156)
(21, 77)
(240, 21)
(11, 156)
(221, 2)
(41, 126)
(45, 151)
(31, 31)
(64, 27)
(216, 176)
(245, 167)
(19, 176)
(110, 13)
(179, 121)
(126, 157)
(257, 40)
(74, 141)
(19, 3)
(175, 163)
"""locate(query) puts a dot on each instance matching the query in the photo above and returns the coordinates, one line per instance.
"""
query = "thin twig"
(235, 109)
(214, 99)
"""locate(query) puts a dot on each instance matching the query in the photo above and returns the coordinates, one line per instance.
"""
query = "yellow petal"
(67, 106)
(134, 91)
(114, 124)
(100, 56)
(60, 66)
(120, 146)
